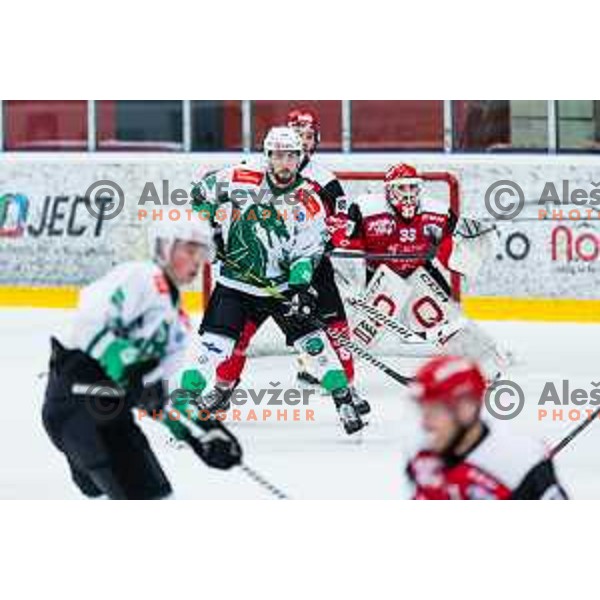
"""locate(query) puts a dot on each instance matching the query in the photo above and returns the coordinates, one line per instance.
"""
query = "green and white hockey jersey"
(129, 317)
(270, 236)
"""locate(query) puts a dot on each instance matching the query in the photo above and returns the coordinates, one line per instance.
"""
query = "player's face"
(284, 166)
(186, 261)
(441, 426)
(309, 139)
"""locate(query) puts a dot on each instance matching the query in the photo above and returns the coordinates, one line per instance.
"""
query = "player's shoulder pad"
(434, 218)
(507, 456)
(372, 204)
(133, 269)
(308, 195)
(318, 173)
(145, 276)
(423, 459)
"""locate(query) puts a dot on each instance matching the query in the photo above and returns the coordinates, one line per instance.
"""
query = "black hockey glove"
(302, 304)
(151, 397)
(218, 448)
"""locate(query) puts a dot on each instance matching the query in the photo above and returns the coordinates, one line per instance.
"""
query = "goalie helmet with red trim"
(305, 122)
(403, 189)
(447, 380)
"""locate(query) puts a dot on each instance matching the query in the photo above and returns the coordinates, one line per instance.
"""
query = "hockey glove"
(469, 228)
(303, 303)
(218, 448)
(151, 397)
(433, 232)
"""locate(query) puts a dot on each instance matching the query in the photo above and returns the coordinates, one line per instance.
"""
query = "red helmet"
(304, 117)
(447, 379)
(399, 172)
(402, 189)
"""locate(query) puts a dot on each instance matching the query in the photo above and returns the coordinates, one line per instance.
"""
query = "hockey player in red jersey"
(412, 252)
(465, 458)
(306, 124)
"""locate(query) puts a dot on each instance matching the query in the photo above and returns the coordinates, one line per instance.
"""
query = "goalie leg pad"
(473, 342)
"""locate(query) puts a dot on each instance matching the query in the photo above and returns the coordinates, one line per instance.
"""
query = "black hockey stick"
(266, 484)
(377, 256)
(400, 255)
(196, 434)
(339, 337)
(573, 434)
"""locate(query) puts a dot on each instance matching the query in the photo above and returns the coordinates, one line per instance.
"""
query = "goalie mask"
(403, 190)
(283, 152)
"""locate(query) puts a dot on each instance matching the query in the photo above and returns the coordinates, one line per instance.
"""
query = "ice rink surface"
(307, 459)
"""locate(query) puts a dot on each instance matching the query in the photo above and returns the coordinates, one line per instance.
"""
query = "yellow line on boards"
(67, 297)
(490, 308)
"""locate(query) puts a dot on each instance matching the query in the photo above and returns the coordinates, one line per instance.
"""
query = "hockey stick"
(370, 311)
(267, 485)
(399, 255)
(338, 336)
(363, 353)
(195, 434)
(573, 434)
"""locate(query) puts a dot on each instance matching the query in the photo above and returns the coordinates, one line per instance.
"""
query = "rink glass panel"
(45, 125)
(397, 125)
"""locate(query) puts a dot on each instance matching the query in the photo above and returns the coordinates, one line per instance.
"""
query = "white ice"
(308, 460)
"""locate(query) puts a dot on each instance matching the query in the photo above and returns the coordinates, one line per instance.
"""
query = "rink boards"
(545, 265)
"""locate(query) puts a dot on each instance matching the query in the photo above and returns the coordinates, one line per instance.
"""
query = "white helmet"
(179, 226)
(282, 138)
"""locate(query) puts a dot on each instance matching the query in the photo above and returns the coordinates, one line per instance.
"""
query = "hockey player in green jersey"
(129, 336)
(270, 229)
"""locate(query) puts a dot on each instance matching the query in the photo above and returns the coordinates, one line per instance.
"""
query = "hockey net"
(440, 191)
